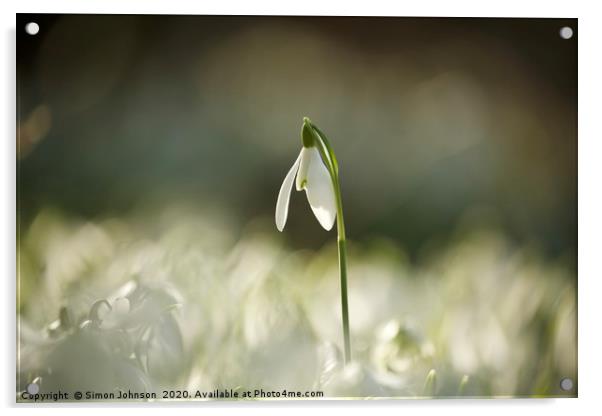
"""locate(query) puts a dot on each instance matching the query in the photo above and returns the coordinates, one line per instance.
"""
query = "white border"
(590, 183)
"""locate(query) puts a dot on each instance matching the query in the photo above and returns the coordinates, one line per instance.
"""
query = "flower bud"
(307, 133)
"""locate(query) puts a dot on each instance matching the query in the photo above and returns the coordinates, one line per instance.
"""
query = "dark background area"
(433, 119)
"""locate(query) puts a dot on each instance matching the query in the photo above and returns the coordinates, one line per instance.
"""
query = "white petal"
(303, 167)
(121, 306)
(284, 195)
(320, 191)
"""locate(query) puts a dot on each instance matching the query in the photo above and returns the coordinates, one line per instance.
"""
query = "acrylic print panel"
(182, 184)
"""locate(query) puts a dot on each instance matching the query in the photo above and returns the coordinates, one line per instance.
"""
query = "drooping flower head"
(313, 176)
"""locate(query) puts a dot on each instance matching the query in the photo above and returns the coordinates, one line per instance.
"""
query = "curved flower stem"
(330, 160)
(342, 245)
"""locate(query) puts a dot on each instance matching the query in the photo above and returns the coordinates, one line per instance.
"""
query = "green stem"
(342, 245)
(330, 161)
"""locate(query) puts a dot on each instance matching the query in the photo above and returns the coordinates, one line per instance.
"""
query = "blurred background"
(150, 154)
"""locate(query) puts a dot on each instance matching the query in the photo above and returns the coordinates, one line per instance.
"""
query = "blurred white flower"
(313, 177)
(112, 316)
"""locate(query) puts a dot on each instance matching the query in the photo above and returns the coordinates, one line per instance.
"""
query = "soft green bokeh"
(209, 309)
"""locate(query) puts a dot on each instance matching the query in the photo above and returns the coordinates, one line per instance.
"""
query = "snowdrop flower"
(314, 178)
(316, 171)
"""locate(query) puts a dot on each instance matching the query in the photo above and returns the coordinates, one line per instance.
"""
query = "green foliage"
(178, 299)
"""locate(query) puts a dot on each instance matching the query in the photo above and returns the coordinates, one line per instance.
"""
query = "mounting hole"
(566, 384)
(566, 32)
(33, 388)
(32, 28)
